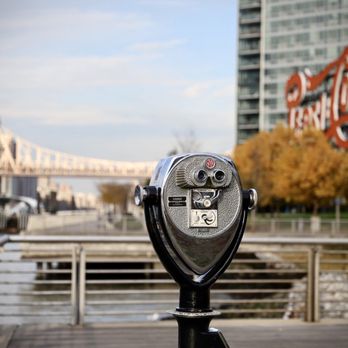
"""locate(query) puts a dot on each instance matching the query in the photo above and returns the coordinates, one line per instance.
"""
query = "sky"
(119, 79)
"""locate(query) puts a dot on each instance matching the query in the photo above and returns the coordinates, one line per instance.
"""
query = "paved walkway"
(239, 334)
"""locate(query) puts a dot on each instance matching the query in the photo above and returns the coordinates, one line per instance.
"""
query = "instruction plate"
(203, 218)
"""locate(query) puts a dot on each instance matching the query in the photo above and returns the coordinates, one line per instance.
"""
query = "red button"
(210, 163)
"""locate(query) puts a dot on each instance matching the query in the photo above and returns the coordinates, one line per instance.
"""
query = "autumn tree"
(255, 161)
(115, 194)
(300, 168)
(307, 172)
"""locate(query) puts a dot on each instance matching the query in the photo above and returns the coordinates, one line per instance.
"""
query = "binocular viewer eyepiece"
(196, 212)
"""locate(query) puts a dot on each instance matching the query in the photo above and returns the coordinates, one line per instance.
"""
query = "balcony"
(249, 20)
(248, 111)
(246, 96)
(249, 52)
(246, 126)
(252, 35)
(249, 67)
(249, 5)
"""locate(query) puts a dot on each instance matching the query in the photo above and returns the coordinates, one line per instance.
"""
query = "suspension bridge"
(19, 157)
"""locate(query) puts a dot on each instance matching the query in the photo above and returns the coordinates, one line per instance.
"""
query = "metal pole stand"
(194, 316)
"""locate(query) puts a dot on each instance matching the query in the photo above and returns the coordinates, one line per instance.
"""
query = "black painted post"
(194, 316)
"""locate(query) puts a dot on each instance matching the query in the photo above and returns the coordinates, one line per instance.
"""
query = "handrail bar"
(303, 219)
(295, 240)
(78, 239)
(145, 239)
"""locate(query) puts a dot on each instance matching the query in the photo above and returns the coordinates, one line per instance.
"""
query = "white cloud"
(57, 20)
(69, 73)
(228, 90)
(196, 89)
(149, 47)
(35, 29)
(63, 72)
(76, 115)
(211, 89)
(172, 3)
(38, 90)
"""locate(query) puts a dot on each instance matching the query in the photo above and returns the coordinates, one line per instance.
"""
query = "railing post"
(300, 225)
(313, 282)
(333, 227)
(82, 286)
(74, 287)
(124, 224)
(273, 226)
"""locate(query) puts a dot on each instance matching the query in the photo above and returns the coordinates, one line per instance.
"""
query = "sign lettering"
(321, 101)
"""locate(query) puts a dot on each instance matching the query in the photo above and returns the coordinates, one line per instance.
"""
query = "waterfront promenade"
(105, 283)
(238, 333)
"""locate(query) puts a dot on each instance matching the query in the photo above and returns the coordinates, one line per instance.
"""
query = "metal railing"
(92, 223)
(95, 278)
(300, 227)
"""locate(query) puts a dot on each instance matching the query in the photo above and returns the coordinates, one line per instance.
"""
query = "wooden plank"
(6, 333)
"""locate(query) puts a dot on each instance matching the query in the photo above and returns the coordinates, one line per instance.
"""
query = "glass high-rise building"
(276, 39)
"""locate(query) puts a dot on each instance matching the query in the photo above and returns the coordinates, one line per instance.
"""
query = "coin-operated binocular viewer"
(196, 211)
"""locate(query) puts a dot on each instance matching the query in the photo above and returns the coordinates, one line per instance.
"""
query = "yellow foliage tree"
(255, 161)
(300, 168)
(307, 172)
(115, 194)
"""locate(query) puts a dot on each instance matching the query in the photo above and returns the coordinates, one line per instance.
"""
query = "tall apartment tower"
(276, 39)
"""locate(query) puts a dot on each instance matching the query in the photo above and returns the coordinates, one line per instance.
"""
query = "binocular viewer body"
(195, 212)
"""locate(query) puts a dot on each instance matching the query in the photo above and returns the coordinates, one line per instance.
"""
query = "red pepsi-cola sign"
(321, 101)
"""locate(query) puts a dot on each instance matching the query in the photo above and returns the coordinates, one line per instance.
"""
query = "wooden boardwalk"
(239, 334)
